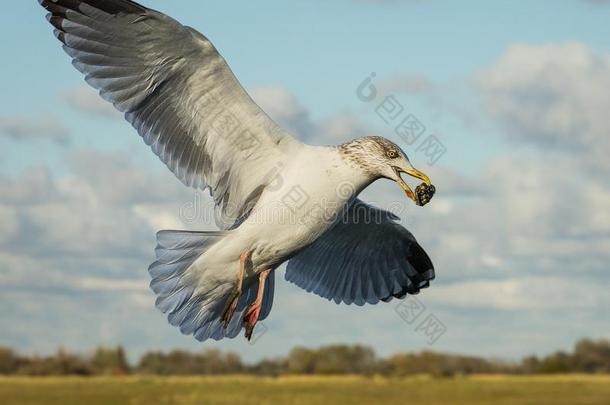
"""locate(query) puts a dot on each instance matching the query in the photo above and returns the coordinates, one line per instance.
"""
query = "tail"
(194, 295)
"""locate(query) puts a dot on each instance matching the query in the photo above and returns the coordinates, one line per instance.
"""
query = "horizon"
(132, 360)
(587, 356)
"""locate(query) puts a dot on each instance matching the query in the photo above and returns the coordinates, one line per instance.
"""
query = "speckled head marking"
(371, 152)
(378, 158)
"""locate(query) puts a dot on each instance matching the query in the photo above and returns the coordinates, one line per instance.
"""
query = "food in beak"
(424, 193)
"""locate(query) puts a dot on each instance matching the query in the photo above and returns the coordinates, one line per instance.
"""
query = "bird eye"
(392, 154)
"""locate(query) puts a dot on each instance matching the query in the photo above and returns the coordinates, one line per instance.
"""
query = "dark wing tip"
(116, 6)
(60, 35)
(55, 20)
(108, 6)
(58, 10)
(420, 261)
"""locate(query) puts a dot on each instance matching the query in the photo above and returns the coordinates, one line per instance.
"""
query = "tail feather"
(192, 301)
(174, 240)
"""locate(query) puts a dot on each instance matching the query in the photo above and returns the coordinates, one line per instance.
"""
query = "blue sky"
(317, 50)
(521, 230)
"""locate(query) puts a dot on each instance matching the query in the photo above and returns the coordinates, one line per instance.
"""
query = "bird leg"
(254, 310)
(231, 304)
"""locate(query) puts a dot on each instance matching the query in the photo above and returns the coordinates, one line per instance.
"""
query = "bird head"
(384, 159)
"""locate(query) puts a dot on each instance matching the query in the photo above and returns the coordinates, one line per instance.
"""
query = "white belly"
(297, 209)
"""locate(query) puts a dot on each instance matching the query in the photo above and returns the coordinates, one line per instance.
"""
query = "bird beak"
(414, 173)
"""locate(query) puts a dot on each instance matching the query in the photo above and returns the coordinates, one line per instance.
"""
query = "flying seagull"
(276, 199)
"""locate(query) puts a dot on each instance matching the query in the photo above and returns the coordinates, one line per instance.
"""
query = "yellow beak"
(414, 173)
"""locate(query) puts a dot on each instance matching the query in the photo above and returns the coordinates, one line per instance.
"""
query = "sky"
(515, 97)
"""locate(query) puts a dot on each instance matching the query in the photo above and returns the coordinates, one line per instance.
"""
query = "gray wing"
(180, 95)
(365, 258)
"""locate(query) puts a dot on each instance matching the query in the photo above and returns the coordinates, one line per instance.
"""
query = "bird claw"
(249, 331)
(231, 305)
(229, 311)
(251, 318)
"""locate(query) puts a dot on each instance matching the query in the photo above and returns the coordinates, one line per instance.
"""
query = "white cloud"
(44, 128)
(529, 293)
(552, 95)
(537, 215)
(90, 208)
(287, 111)
(87, 100)
(407, 84)
(279, 103)
(105, 284)
(74, 253)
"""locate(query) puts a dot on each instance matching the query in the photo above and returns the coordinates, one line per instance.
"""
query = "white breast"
(305, 199)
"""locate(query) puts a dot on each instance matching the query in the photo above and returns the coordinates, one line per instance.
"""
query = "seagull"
(276, 198)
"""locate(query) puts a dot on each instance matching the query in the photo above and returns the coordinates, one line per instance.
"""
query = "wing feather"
(365, 258)
(178, 93)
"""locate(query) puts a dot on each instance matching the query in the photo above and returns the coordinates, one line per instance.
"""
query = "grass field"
(306, 390)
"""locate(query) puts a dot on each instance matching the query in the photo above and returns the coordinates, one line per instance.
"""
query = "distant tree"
(109, 361)
(337, 359)
(343, 359)
(592, 356)
(441, 364)
(301, 361)
(62, 363)
(9, 361)
(153, 363)
(559, 362)
(419, 363)
(588, 356)
(530, 365)
(216, 362)
(270, 367)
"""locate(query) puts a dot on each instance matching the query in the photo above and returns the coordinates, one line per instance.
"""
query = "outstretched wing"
(366, 257)
(179, 93)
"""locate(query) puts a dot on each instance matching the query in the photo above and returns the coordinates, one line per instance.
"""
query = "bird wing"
(366, 257)
(179, 93)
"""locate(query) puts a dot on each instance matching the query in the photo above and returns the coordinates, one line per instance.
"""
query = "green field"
(306, 390)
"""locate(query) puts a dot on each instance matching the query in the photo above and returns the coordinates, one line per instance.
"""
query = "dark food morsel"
(424, 193)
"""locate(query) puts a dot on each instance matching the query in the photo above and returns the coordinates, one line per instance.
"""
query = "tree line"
(587, 356)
